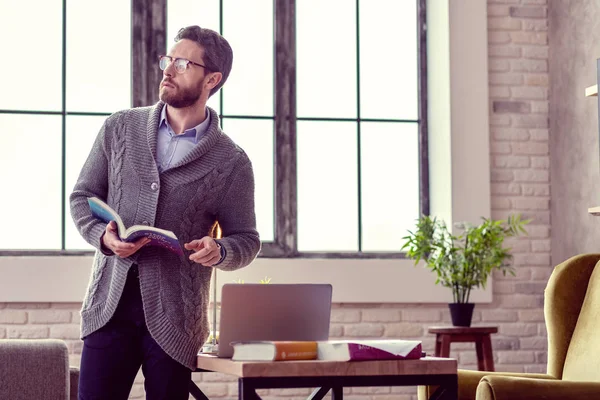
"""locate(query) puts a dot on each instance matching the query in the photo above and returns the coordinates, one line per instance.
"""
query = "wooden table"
(478, 334)
(333, 375)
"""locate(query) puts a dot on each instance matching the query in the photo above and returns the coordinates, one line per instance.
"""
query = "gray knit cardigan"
(213, 182)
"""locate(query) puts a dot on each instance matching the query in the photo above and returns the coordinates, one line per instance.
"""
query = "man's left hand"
(207, 251)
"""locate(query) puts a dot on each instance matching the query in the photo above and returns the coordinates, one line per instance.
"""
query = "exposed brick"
(370, 390)
(76, 317)
(525, 65)
(336, 331)
(381, 315)
(499, 92)
(530, 287)
(536, 53)
(539, 135)
(504, 24)
(518, 330)
(67, 306)
(505, 78)
(531, 148)
(501, 175)
(363, 330)
(540, 106)
(498, 65)
(538, 231)
(505, 189)
(539, 217)
(528, 12)
(518, 245)
(420, 315)
(515, 357)
(533, 343)
(501, 203)
(529, 175)
(49, 316)
(344, 315)
(531, 315)
(509, 367)
(500, 148)
(532, 203)
(541, 357)
(504, 287)
(542, 2)
(540, 246)
(498, 37)
(500, 120)
(541, 273)
(511, 161)
(529, 37)
(217, 377)
(542, 330)
(530, 121)
(536, 189)
(535, 25)
(504, 51)
(13, 317)
(532, 259)
(529, 92)
(519, 301)
(2, 333)
(64, 331)
(497, 10)
(505, 343)
(27, 332)
(502, 106)
(536, 369)
(403, 330)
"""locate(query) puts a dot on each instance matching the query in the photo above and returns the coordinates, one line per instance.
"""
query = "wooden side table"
(480, 335)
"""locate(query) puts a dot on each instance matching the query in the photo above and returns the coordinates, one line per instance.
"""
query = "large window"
(323, 96)
(65, 73)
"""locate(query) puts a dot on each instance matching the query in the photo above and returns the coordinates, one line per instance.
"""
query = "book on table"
(374, 349)
(274, 350)
(330, 350)
(158, 237)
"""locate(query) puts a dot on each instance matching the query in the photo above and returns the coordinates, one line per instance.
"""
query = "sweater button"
(154, 186)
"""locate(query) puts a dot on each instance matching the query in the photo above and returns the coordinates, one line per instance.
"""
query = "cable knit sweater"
(213, 182)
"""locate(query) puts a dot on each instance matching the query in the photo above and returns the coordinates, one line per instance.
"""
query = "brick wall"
(518, 83)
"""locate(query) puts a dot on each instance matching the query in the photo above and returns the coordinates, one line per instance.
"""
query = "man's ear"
(213, 80)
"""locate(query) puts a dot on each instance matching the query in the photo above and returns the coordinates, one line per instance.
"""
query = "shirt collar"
(196, 131)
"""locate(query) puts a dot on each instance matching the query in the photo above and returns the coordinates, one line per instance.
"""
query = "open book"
(157, 236)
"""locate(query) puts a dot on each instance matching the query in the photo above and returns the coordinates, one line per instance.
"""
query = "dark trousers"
(112, 356)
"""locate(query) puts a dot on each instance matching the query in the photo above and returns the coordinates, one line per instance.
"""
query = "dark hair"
(218, 56)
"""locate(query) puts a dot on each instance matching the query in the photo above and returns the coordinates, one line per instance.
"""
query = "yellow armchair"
(572, 315)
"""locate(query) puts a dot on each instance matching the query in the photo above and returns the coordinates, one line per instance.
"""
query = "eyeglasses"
(181, 64)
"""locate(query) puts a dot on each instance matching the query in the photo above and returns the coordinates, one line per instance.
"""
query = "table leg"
(480, 357)
(246, 391)
(196, 392)
(446, 391)
(488, 355)
(318, 393)
(445, 346)
(438, 345)
(337, 393)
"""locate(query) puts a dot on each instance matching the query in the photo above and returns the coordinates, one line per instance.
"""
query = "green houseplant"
(463, 261)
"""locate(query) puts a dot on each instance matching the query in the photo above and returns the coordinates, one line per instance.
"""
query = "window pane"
(31, 33)
(326, 58)
(390, 183)
(388, 59)
(182, 13)
(30, 147)
(248, 27)
(81, 133)
(327, 186)
(255, 136)
(98, 59)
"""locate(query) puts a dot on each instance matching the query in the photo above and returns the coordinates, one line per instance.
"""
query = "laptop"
(273, 312)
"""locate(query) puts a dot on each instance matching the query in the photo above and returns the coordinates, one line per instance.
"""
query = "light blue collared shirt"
(171, 148)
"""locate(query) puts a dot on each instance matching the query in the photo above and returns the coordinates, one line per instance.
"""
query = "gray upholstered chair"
(36, 369)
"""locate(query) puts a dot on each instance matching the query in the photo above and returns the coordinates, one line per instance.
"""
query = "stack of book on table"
(331, 350)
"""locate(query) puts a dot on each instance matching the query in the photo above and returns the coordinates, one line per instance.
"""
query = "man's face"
(181, 90)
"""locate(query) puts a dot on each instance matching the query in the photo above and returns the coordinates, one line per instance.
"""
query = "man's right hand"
(111, 241)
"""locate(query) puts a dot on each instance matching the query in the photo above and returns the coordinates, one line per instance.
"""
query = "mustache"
(168, 81)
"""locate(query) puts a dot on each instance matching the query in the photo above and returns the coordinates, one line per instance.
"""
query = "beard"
(179, 97)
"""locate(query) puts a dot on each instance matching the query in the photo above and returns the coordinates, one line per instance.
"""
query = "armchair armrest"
(73, 383)
(518, 388)
(468, 381)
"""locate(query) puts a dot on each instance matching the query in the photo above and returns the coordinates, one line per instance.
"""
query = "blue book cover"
(158, 237)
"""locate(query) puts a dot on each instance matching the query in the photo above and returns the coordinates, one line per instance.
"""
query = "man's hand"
(206, 251)
(111, 241)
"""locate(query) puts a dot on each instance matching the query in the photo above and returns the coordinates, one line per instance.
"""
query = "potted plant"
(463, 261)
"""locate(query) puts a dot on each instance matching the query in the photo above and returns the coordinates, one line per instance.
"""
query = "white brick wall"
(518, 83)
